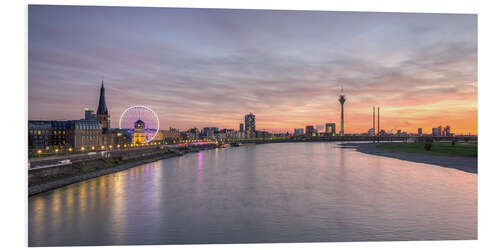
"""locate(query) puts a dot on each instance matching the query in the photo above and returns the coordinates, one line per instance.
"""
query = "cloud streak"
(200, 67)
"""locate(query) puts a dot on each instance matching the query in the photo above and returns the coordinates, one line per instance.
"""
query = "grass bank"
(438, 148)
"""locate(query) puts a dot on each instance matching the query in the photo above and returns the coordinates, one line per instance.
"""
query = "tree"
(428, 143)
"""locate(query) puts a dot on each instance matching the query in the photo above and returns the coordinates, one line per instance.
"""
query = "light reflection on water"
(289, 192)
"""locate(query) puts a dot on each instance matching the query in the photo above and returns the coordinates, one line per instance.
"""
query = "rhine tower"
(342, 101)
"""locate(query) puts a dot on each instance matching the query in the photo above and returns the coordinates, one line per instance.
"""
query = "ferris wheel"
(146, 117)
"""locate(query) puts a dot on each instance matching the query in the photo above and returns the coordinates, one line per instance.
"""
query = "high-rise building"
(342, 100)
(419, 131)
(330, 128)
(447, 131)
(298, 131)
(310, 130)
(250, 123)
(102, 110)
(241, 127)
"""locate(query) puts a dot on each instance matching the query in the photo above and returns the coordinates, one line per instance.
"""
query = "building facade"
(330, 129)
(89, 115)
(39, 134)
(310, 131)
(298, 132)
(168, 135)
(250, 123)
(85, 133)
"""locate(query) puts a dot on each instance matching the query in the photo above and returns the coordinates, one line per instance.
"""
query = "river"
(283, 192)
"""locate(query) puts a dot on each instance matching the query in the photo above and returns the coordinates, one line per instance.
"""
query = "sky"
(210, 67)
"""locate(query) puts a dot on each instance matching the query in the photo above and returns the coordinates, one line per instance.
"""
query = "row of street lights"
(118, 146)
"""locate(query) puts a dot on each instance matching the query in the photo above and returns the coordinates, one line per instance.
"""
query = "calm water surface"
(289, 192)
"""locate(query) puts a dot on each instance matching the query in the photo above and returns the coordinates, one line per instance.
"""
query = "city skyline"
(210, 67)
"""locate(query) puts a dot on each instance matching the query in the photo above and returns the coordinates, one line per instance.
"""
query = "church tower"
(102, 110)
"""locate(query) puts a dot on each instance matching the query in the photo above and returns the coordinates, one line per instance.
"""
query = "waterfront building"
(85, 133)
(437, 131)
(298, 131)
(250, 123)
(447, 131)
(114, 136)
(168, 135)
(139, 132)
(330, 129)
(262, 134)
(39, 134)
(226, 133)
(192, 134)
(58, 134)
(61, 134)
(310, 130)
(102, 110)
(89, 114)
(209, 132)
(49, 133)
(342, 100)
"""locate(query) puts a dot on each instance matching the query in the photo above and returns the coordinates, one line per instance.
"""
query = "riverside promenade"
(50, 173)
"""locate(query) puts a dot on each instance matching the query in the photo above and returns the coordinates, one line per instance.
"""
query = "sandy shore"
(466, 164)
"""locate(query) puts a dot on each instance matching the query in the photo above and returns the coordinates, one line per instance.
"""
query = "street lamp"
(70, 149)
(82, 148)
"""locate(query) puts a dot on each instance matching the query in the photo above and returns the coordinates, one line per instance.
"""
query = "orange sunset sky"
(210, 67)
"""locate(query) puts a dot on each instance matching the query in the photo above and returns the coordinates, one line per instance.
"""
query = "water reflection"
(268, 193)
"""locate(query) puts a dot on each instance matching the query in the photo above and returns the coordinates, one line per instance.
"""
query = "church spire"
(102, 109)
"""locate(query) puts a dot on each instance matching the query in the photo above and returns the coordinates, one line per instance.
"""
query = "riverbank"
(91, 169)
(463, 163)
